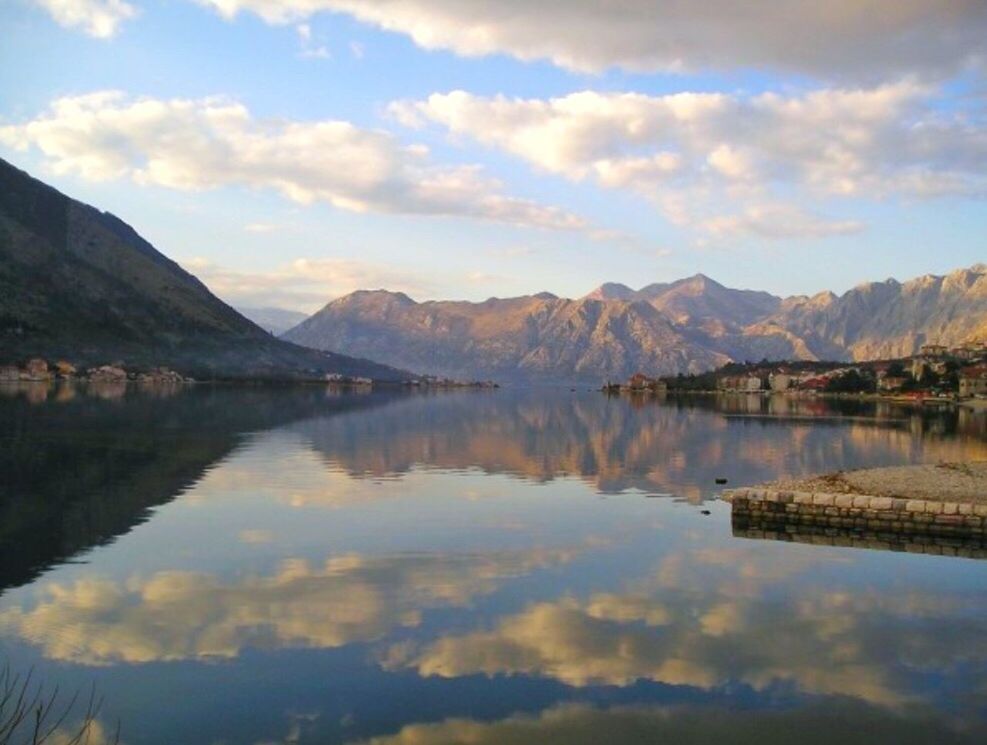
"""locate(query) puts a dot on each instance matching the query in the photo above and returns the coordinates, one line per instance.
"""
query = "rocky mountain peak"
(611, 291)
(698, 281)
(374, 297)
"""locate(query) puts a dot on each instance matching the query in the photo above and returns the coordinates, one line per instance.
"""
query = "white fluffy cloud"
(759, 155)
(181, 615)
(860, 38)
(707, 619)
(99, 18)
(215, 142)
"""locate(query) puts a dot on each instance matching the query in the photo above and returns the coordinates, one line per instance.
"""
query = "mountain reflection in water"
(255, 565)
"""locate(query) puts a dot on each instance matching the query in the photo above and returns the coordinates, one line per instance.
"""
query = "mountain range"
(689, 325)
(81, 285)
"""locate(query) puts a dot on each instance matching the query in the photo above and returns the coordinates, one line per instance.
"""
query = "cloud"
(96, 733)
(180, 615)
(309, 48)
(584, 724)
(708, 619)
(868, 39)
(779, 221)
(209, 143)
(98, 18)
(697, 155)
(305, 284)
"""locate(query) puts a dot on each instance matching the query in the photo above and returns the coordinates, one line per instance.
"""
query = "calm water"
(273, 566)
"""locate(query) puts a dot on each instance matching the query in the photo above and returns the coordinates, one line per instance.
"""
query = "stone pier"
(934, 505)
(857, 512)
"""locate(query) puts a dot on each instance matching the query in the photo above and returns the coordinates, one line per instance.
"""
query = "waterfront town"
(936, 373)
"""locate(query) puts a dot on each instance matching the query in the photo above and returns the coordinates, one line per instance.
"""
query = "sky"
(291, 151)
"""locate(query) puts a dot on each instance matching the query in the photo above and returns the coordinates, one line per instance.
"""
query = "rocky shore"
(39, 370)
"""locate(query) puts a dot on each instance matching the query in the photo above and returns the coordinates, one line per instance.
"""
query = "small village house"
(640, 383)
(780, 381)
(37, 369)
(817, 383)
(933, 350)
(970, 351)
(973, 381)
(740, 383)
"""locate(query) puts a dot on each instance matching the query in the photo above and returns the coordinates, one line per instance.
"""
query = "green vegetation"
(852, 382)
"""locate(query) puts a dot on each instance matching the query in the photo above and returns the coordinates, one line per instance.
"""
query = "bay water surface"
(296, 565)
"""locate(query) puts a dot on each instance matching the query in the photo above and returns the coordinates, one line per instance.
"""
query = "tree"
(850, 382)
(32, 715)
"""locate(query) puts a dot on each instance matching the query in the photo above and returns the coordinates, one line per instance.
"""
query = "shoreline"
(947, 500)
(813, 395)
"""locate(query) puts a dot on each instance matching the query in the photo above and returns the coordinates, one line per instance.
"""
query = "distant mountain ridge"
(273, 320)
(81, 285)
(689, 325)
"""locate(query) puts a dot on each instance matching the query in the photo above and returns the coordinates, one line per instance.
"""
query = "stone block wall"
(855, 512)
(971, 547)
